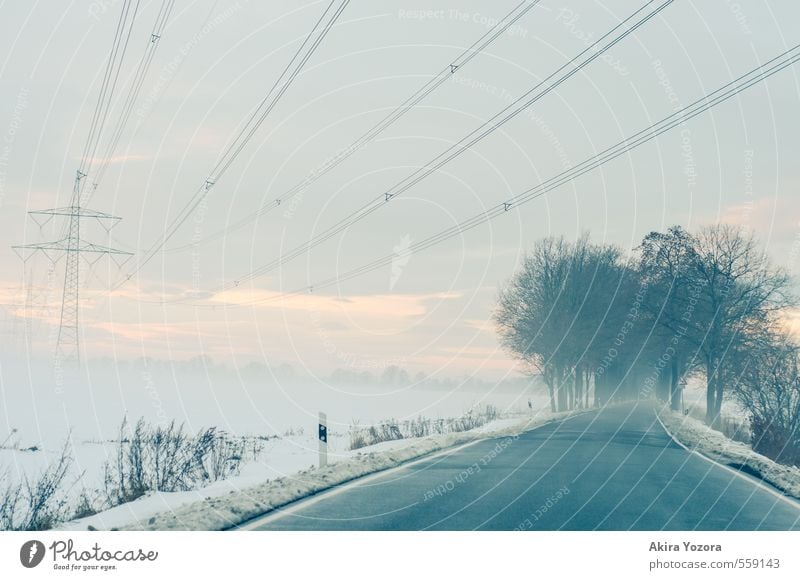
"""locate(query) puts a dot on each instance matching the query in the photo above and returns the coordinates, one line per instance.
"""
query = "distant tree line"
(601, 326)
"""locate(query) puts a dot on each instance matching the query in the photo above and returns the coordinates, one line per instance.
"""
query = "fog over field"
(249, 401)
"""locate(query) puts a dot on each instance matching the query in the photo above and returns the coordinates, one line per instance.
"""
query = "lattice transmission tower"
(72, 244)
(73, 248)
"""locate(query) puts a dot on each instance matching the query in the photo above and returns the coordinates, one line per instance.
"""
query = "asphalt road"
(615, 469)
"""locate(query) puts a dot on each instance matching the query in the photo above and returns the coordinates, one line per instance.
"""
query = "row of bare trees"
(598, 325)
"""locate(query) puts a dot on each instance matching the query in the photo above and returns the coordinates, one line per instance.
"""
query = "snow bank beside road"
(697, 436)
(239, 506)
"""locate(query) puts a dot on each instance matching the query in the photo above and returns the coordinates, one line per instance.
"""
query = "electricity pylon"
(71, 245)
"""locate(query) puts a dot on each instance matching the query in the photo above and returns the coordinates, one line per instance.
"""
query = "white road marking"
(293, 507)
(304, 503)
(764, 486)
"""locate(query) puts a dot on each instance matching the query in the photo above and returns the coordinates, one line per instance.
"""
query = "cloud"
(145, 331)
(116, 159)
(769, 216)
(790, 322)
(378, 305)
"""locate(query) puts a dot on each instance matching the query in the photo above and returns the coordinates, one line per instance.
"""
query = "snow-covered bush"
(36, 503)
(166, 458)
(769, 389)
(393, 430)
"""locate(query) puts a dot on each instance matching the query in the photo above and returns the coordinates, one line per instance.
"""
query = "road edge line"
(301, 503)
(761, 483)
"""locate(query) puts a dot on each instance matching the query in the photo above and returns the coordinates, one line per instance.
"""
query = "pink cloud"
(115, 159)
(365, 305)
(769, 216)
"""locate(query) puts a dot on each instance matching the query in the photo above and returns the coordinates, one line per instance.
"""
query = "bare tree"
(738, 293)
(768, 387)
(561, 312)
(710, 293)
(694, 303)
(666, 262)
(526, 317)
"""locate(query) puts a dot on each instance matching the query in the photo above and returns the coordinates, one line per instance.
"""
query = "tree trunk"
(663, 387)
(675, 385)
(562, 391)
(570, 386)
(720, 387)
(588, 380)
(549, 375)
(711, 392)
(578, 388)
(596, 393)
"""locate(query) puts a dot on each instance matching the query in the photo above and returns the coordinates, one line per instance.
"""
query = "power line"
(133, 92)
(334, 161)
(104, 83)
(107, 90)
(588, 55)
(677, 118)
(235, 149)
(71, 244)
(202, 26)
(257, 117)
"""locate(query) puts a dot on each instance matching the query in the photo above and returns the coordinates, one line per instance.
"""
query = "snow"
(255, 492)
(694, 397)
(275, 406)
(699, 437)
(254, 401)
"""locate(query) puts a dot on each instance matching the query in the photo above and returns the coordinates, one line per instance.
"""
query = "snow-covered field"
(242, 499)
(280, 457)
(255, 400)
(276, 409)
(695, 402)
(734, 421)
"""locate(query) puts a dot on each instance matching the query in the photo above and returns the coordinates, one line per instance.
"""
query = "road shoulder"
(734, 456)
(241, 506)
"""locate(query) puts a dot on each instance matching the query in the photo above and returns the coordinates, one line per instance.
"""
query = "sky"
(427, 311)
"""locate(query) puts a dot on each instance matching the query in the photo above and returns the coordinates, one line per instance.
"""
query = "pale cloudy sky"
(429, 310)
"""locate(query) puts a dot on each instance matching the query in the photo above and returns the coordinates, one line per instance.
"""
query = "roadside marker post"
(323, 440)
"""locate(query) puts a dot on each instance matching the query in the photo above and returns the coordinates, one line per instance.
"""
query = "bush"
(38, 503)
(166, 458)
(419, 427)
(769, 390)
(85, 507)
(357, 437)
(775, 441)
(732, 426)
(148, 458)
